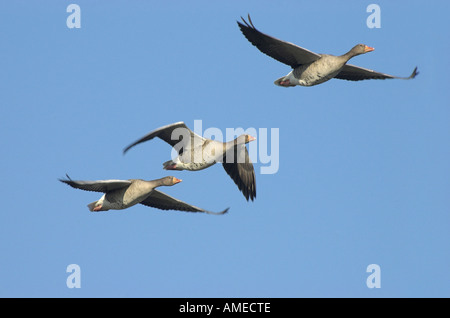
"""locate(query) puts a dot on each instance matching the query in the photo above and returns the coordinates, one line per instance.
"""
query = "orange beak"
(175, 180)
(368, 49)
(251, 138)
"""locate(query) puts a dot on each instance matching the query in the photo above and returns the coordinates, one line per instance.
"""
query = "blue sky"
(363, 172)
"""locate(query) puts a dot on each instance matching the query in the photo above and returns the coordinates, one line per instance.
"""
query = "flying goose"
(122, 194)
(197, 153)
(310, 68)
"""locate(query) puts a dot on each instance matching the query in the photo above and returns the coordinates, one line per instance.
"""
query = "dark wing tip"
(132, 145)
(246, 185)
(251, 194)
(217, 213)
(126, 149)
(248, 24)
(250, 21)
(66, 181)
(414, 73)
(242, 26)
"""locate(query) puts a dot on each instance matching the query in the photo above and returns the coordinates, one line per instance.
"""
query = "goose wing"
(282, 51)
(355, 73)
(98, 185)
(162, 201)
(241, 171)
(178, 135)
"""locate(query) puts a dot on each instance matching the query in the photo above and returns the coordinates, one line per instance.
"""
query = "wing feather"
(169, 135)
(162, 201)
(282, 51)
(96, 186)
(355, 73)
(242, 172)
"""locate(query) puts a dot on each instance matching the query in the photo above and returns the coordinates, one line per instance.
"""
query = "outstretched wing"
(242, 172)
(162, 201)
(96, 186)
(355, 73)
(173, 134)
(282, 51)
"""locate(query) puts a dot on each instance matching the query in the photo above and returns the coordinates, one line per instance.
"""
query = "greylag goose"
(122, 194)
(197, 153)
(309, 68)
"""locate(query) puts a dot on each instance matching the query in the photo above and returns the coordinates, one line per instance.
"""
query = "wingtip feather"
(218, 213)
(250, 21)
(64, 180)
(414, 73)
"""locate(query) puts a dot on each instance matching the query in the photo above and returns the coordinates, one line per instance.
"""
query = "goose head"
(360, 49)
(244, 139)
(169, 181)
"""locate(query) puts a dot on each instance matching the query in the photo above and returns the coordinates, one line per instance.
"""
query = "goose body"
(309, 68)
(133, 192)
(313, 73)
(198, 153)
(197, 156)
(122, 194)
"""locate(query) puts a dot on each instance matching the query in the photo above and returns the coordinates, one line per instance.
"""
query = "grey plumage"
(193, 156)
(122, 194)
(306, 65)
